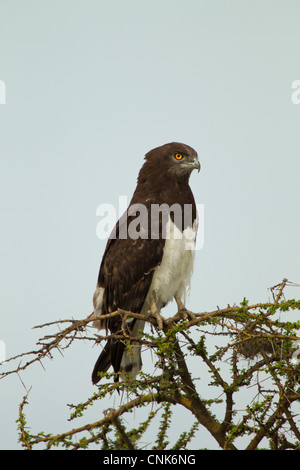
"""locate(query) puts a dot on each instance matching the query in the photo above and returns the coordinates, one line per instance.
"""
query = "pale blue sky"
(91, 86)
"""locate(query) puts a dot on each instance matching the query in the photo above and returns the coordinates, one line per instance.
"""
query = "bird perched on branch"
(148, 259)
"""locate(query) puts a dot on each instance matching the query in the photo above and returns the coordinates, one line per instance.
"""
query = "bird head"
(175, 159)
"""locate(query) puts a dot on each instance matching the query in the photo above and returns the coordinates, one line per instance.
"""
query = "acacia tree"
(254, 350)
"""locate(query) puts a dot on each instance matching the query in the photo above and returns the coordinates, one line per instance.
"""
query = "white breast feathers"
(174, 274)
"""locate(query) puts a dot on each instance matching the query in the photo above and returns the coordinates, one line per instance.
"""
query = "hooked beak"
(196, 164)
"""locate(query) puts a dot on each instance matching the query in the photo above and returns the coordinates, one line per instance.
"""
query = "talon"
(183, 311)
(155, 313)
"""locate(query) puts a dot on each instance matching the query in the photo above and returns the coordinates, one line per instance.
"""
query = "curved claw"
(183, 311)
(155, 313)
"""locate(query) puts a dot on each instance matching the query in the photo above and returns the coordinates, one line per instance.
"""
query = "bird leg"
(155, 313)
(182, 310)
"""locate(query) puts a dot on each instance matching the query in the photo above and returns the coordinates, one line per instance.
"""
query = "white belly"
(174, 274)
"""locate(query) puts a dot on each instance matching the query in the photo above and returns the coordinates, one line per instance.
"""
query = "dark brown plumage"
(129, 264)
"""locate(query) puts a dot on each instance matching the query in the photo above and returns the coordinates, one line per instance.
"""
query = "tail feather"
(110, 356)
(103, 363)
(131, 362)
(125, 360)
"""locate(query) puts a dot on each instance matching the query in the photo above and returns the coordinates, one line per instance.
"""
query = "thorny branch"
(255, 335)
(51, 342)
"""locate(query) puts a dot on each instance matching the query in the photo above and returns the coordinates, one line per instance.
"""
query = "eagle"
(149, 256)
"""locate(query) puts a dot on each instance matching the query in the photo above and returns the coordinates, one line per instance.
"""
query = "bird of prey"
(148, 259)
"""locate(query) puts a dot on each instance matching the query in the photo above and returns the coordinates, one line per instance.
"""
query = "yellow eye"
(178, 156)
